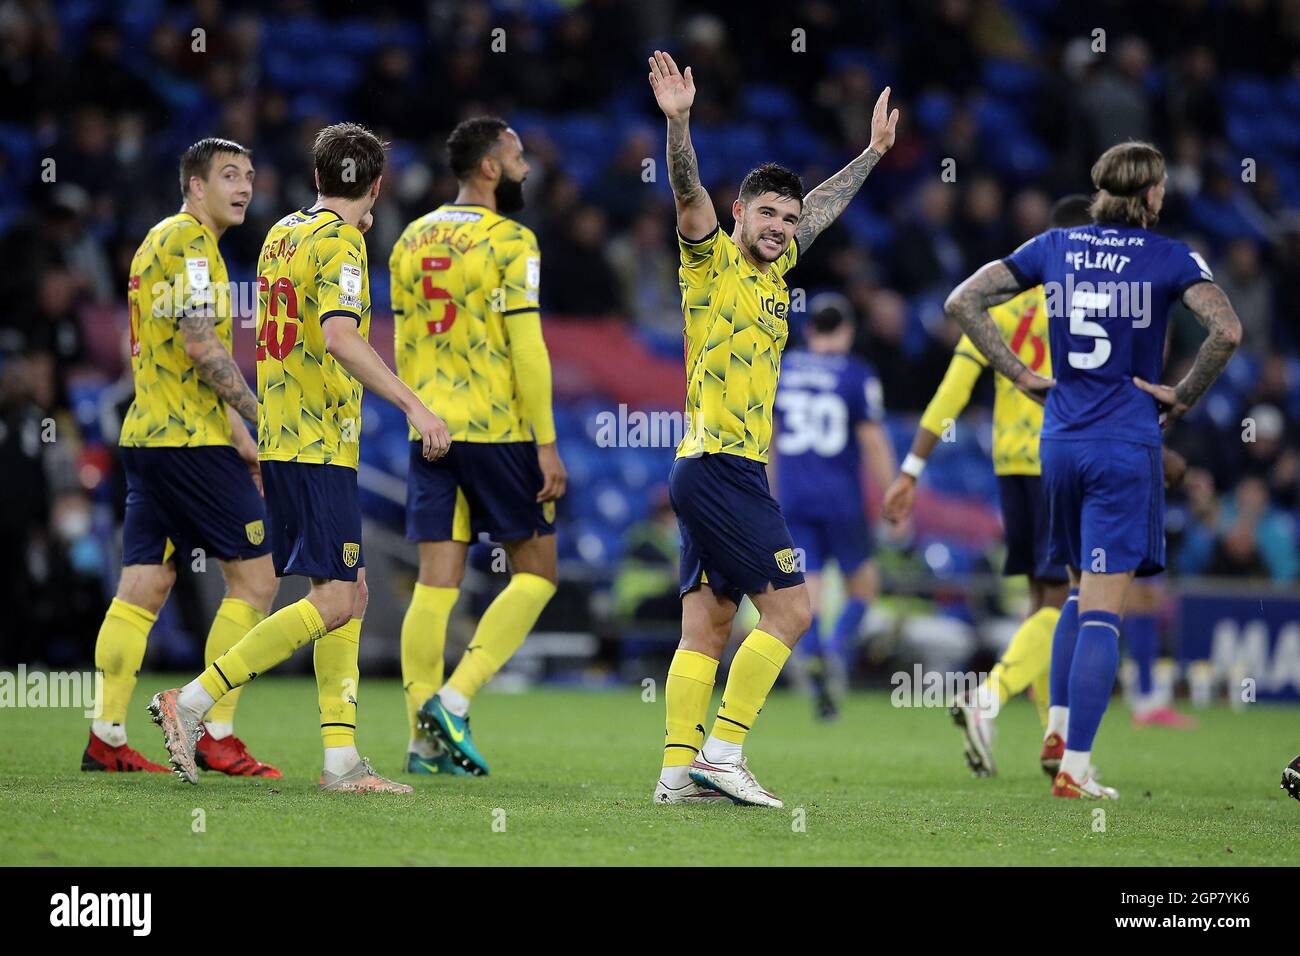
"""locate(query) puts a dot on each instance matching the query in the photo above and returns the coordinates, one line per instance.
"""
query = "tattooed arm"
(822, 206)
(968, 305)
(675, 92)
(1213, 310)
(215, 365)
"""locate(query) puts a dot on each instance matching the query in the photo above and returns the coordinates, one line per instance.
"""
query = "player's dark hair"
(771, 178)
(1122, 176)
(349, 158)
(828, 311)
(197, 160)
(470, 141)
(1072, 210)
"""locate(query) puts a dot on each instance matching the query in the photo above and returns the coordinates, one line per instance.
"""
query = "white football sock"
(674, 778)
(986, 699)
(194, 698)
(1058, 720)
(422, 747)
(339, 760)
(1077, 763)
(219, 730)
(112, 734)
(454, 700)
(721, 751)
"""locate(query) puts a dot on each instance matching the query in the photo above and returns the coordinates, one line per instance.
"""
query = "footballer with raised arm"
(465, 280)
(1017, 422)
(191, 465)
(1108, 289)
(734, 539)
(313, 362)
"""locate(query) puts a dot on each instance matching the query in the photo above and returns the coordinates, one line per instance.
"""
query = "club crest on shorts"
(255, 531)
(351, 552)
(785, 560)
(548, 511)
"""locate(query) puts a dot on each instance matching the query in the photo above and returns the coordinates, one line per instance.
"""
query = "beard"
(509, 194)
(755, 250)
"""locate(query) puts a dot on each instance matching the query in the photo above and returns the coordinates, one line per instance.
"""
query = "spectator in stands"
(577, 279)
(1248, 289)
(647, 271)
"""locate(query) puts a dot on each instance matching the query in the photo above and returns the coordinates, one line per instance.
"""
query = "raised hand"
(674, 91)
(883, 123)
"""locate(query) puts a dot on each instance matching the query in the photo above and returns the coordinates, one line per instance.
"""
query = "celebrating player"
(1108, 289)
(1017, 421)
(191, 465)
(465, 283)
(734, 538)
(313, 360)
(829, 411)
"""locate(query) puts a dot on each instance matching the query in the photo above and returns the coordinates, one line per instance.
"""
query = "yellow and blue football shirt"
(1017, 419)
(312, 267)
(735, 327)
(461, 276)
(177, 269)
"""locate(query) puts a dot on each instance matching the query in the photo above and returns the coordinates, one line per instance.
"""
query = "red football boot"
(1050, 756)
(1066, 786)
(230, 755)
(103, 757)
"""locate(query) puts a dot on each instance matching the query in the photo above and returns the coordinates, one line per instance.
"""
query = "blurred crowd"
(1005, 104)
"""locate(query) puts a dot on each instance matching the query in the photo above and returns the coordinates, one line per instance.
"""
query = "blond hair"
(1122, 175)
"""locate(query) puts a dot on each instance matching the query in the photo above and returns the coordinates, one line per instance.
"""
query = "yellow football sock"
(234, 619)
(1028, 656)
(501, 631)
(337, 674)
(424, 637)
(119, 652)
(1042, 685)
(266, 645)
(753, 673)
(686, 697)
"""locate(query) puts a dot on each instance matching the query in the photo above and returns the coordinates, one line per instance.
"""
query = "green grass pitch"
(573, 773)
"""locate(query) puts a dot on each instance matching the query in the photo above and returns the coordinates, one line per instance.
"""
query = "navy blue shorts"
(847, 539)
(734, 537)
(1106, 503)
(1024, 517)
(477, 487)
(315, 519)
(183, 498)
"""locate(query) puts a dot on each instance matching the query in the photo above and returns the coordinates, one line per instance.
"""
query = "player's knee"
(147, 585)
(253, 582)
(334, 602)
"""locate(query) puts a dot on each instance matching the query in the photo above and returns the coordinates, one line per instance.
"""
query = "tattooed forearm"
(1213, 310)
(823, 205)
(968, 305)
(216, 366)
(683, 167)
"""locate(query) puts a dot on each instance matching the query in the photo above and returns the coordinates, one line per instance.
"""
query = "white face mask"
(73, 524)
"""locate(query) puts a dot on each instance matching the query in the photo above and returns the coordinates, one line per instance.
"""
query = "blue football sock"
(846, 627)
(1143, 646)
(1063, 640)
(810, 645)
(1092, 676)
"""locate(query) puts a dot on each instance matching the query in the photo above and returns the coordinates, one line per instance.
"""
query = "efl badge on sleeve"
(196, 270)
(350, 279)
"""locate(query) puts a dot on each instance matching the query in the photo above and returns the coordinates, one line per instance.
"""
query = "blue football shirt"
(820, 399)
(1108, 290)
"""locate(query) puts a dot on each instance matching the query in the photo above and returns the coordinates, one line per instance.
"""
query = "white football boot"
(691, 792)
(734, 781)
